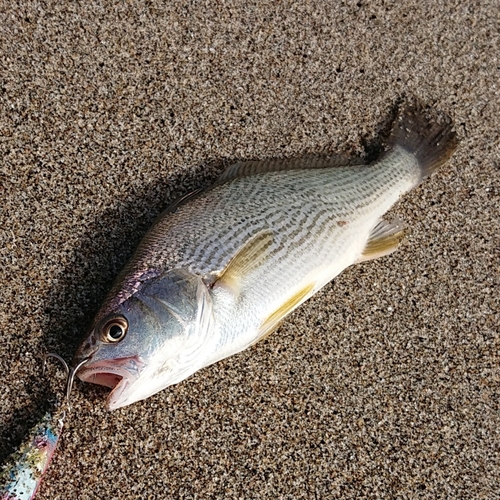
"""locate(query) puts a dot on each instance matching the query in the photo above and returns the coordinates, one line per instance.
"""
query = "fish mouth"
(117, 374)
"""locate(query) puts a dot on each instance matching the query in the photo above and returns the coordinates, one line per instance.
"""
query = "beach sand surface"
(386, 384)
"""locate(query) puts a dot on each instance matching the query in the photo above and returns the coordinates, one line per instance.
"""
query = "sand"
(386, 384)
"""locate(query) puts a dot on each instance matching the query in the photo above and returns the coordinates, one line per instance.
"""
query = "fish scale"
(339, 192)
(221, 268)
(220, 237)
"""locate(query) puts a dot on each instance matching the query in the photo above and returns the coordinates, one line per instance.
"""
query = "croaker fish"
(221, 268)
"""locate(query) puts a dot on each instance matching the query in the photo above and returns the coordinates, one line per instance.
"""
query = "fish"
(222, 267)
(22, 474)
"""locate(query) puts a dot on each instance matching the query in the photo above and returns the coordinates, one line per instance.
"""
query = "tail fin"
(426, 134)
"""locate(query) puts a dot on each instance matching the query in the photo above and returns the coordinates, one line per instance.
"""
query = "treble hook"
(70, 372)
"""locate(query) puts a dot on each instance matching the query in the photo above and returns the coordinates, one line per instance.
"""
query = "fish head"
(142, 342)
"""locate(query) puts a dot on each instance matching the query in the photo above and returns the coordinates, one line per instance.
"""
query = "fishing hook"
(54, 355)
(70, 372)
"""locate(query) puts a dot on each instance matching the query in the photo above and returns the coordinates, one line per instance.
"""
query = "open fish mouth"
(117, 374)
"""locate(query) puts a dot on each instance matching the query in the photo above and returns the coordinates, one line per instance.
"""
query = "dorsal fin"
(180, 201)
(252, 167)
(251, 255)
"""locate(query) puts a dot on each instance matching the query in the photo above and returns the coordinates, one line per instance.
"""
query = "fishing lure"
(23, 472)
(24, 469)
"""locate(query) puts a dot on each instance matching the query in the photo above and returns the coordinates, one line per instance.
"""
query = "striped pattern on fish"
(296, 205)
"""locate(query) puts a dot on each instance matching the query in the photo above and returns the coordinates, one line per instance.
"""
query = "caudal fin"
(426, 134)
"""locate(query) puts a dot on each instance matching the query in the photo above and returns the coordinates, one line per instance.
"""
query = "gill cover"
(169, 326)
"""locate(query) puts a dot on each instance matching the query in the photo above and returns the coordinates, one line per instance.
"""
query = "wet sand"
(386, 384)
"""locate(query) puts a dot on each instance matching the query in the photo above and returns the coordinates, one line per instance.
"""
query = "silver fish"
(221, 268)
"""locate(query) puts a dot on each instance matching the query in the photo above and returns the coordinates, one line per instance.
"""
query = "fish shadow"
(81, 286)
(96, 260)
(103, 251)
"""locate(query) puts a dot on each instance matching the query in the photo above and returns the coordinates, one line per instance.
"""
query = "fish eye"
(115, 329)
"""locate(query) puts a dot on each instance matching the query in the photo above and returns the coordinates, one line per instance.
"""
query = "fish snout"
(86, 349)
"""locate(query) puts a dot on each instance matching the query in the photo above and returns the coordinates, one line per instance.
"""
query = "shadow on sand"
(100, 254)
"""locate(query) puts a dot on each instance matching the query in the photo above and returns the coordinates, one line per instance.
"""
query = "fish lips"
(117, 374)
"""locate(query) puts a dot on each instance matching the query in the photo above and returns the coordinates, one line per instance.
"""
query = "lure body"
(23, 472)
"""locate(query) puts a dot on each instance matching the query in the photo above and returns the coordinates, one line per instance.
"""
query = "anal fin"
(384, 239)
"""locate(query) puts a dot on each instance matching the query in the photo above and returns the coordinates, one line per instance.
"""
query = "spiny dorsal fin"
(384, 239)
(252, 167)
(181, 201)
(251, 255)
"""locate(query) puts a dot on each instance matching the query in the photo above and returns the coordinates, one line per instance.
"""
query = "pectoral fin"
(253, 253)
(384, 239)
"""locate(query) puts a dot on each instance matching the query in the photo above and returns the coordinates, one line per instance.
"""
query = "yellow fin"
(273, 320)
(251, 255)
(384, 239)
